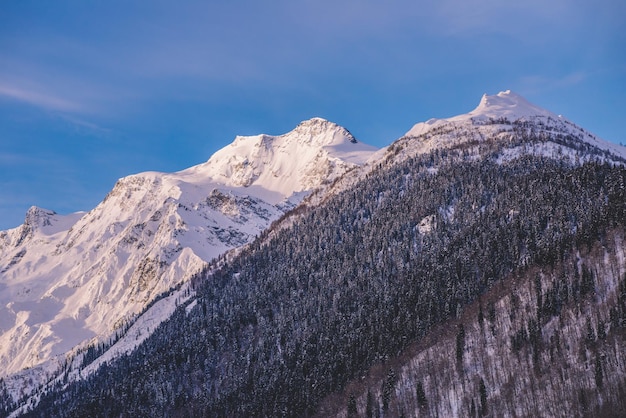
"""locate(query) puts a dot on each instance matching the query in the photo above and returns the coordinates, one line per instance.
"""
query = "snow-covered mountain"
(505, 120)
(495, 250)
(66, 280)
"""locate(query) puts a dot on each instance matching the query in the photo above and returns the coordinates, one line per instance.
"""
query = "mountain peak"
(321, 132)
(316, 120)
(494, 117)
(36, 211)
(38, 217)
(508, 104)
(504, 105)
(314, 152)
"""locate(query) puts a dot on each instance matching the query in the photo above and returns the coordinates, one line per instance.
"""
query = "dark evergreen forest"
(352, 282)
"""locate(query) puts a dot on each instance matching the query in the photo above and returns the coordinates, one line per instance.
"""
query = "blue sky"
(91, 91)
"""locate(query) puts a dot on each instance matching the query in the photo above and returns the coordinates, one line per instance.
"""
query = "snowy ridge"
(507, 118)
(507, 104)
(69, 280)
(316, 151)
(501, 116)
(504, 105)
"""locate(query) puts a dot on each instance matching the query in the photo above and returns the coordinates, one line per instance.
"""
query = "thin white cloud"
(199, 50)
(36, 98)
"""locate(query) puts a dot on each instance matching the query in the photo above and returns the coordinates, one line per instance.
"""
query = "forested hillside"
(373, 271)
(547, 341)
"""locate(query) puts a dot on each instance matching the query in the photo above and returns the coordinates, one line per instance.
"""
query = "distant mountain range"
(310, 273)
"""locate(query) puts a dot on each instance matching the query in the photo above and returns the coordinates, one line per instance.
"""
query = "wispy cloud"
(39, 99)
(190, 51)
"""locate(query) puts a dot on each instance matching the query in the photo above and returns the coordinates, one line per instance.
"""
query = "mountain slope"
(65, 280)
(548, 341)
(294, 320)
(352, 282)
